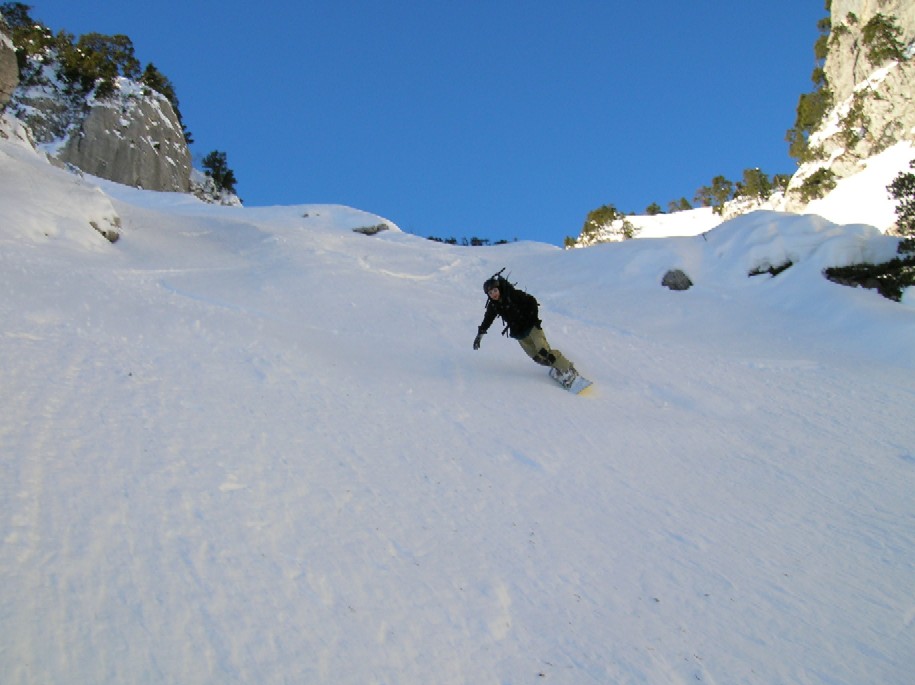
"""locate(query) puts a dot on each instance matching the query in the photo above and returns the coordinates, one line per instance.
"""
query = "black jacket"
(518, 310)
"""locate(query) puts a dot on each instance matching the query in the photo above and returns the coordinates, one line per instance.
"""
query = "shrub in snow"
(767, 268)
(890, 278)
(817, 185)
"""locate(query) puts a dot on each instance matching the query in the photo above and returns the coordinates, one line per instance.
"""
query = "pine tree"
(902, 189)
(812, 107)
(720, 192)
(217, 168)
(755, 185)
(881, 37)
(608, 219)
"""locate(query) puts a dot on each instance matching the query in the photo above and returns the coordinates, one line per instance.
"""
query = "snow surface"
(863, 197)
(252, 446)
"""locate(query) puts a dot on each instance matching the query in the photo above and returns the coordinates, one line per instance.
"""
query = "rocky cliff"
(847, 65)
(870, 75)
(9, 69)
(131, 138)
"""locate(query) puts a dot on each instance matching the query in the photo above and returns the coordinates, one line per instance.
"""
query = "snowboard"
(576, 386)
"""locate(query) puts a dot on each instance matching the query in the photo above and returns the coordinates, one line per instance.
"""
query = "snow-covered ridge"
(858, 199)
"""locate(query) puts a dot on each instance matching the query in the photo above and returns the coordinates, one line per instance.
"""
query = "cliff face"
(9, 69)
(870, 73)
(874, 97)
(847, 64)
(132, 138)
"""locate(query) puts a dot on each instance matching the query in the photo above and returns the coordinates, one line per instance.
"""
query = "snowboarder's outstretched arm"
(488, 318)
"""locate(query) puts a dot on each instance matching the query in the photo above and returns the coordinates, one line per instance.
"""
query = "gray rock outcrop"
(9, 68)
(873, 103)
(132, 136)
(135, 140)
(847, 65)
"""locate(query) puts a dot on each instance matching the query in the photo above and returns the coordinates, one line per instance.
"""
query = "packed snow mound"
(726, 255)
(51, 204)
(760, 240)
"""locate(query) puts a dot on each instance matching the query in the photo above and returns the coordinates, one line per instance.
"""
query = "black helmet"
(494, 282)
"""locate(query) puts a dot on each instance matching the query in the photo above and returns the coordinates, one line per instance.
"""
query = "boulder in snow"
(675, 279)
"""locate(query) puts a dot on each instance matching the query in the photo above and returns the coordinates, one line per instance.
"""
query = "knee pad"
(545, 358)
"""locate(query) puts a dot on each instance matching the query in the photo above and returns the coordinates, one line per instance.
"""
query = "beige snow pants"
(537, 348)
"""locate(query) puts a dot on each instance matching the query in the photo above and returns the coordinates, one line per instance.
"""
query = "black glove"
(476, 341)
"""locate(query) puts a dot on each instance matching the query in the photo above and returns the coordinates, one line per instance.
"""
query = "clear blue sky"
(467, 118)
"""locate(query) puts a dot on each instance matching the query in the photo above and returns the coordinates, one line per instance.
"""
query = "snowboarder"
(520, 312)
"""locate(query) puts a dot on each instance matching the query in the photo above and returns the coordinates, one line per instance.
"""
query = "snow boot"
(565, 379)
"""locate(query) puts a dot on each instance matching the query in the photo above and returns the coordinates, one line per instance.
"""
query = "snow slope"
(859, 198)
(252, 446)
